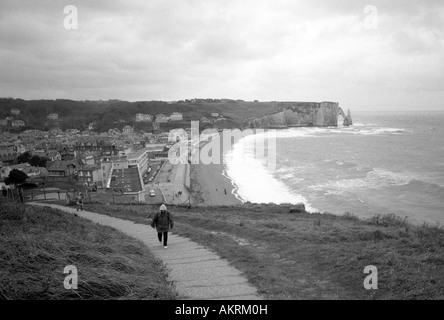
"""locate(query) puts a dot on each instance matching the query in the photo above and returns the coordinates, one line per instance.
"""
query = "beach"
(210, 186)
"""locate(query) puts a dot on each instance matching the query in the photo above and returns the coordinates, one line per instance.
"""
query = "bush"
(387, 220)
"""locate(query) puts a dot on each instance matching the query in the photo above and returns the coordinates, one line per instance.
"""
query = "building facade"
(161, 118)
(53, 116)
(176, 116)
(142, 117)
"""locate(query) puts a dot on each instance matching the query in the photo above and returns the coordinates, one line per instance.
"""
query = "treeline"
(116, 113)
(78, 114)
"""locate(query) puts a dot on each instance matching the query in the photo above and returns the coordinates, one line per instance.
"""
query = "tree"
(37, 161)
(24, 157)
(16, 177)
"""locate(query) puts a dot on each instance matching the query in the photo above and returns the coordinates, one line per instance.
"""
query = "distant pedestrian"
(80, 202)
(163, 222)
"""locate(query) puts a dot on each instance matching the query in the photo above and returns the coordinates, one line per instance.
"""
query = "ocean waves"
(254, 182)
(374, 179)
(380, 164)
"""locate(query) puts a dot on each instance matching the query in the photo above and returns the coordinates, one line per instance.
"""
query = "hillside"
(312, 256)
(117, 113)
(38, 243)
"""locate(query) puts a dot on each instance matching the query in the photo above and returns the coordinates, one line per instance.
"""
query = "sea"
(387, 162)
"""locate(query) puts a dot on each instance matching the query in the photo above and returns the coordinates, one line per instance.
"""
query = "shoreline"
(210, 184)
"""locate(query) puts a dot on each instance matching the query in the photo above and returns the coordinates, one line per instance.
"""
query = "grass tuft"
(38, 243)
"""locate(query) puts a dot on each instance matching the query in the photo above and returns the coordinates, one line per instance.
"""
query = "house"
(8, 155)
(90, 175)
(5, 170)
(62, 170)
(128, 130)
(72, 131)
(24, 167)
(53, 116)
(141, 117)
(95, 146)
(161, 118)
(114, 131)
(176, 116)
(53, 155)
(204, 120)
(15, 111)
(215, 114)
(89, 160)
(92, 125)
(18, 123)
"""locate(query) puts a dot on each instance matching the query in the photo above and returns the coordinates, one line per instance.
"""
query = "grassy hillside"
(37, 243)
(312, 256)
(116, 113)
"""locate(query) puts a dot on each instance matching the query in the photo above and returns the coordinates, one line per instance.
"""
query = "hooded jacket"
(162, 221)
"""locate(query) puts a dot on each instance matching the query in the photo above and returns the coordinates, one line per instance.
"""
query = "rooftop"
(137, 154)
(127, 180)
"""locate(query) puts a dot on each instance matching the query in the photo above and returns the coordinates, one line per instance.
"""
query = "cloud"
(268, 50)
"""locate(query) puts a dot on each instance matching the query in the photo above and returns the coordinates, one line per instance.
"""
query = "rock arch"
(347, 118)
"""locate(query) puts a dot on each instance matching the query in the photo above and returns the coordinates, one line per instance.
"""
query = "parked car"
(152, 193)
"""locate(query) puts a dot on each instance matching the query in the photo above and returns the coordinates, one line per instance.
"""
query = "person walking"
(163, 222)
(80, 202)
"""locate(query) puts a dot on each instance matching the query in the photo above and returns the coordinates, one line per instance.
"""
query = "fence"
(113, 198)
(69, 197)
(13, 194)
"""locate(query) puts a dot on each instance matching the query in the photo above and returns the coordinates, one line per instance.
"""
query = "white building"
(128, 130)
(140, 160)
(15, 111)
(176, 116)
(18, 123)
(92, 125)
(215, 114)
(53, 116)
(161, 118)
(142, 117)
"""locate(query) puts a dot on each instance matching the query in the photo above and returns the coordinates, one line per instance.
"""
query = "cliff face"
(313, 114)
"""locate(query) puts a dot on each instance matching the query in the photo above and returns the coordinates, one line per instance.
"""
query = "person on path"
(163, 222)
(80, 202)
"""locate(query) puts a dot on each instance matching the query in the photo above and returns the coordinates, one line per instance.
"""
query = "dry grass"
(313, 256)
(37, 243)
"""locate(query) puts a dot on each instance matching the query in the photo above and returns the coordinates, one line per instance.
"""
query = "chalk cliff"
(302, 114)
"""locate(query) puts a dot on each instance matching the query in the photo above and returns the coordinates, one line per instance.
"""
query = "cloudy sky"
(387, 56)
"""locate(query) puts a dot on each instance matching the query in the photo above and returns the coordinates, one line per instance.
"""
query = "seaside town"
(240, 154)
(125, 162)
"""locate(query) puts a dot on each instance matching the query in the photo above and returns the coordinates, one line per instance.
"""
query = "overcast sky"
(304, 50)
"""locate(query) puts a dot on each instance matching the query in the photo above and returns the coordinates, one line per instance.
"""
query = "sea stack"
(348, 119)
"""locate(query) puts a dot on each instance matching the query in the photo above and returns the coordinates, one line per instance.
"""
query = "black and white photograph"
(215, 158)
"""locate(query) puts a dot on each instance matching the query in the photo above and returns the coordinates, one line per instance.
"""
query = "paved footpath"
(197, 272)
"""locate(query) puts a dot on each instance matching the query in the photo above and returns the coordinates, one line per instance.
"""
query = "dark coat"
(163, 221)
